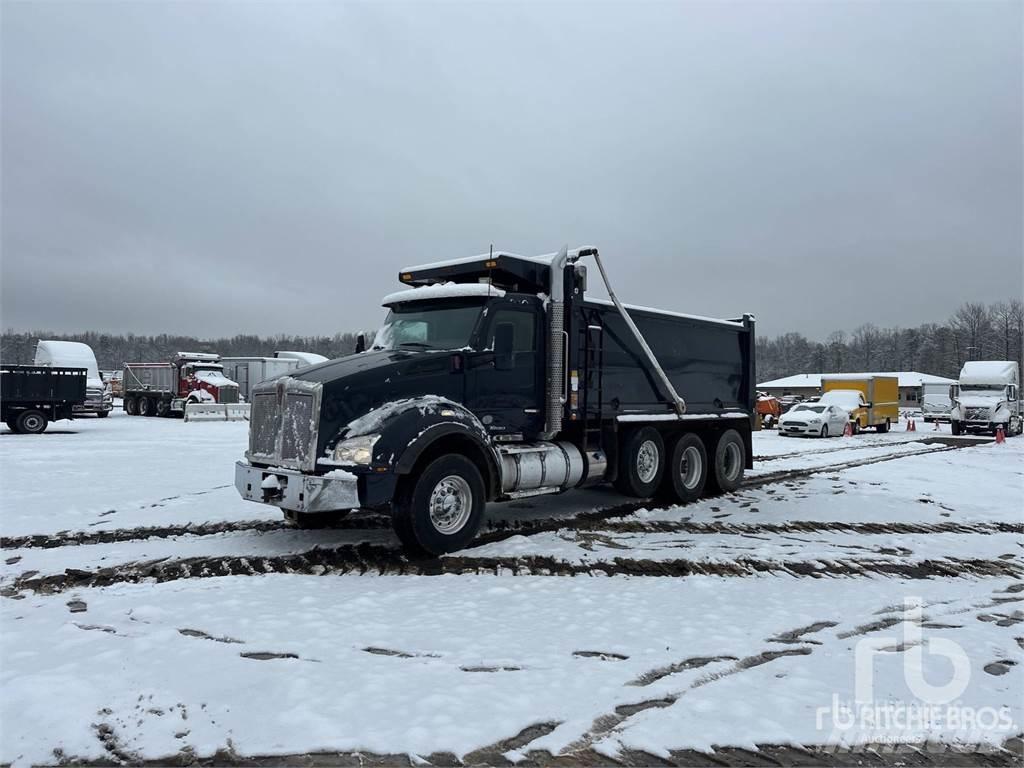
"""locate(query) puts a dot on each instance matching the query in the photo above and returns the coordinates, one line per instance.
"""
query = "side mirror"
(504, 338)
(360, 343)
(866, 405)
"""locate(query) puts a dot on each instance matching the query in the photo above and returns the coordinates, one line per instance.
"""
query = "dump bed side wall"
(150, 377)
(710, 364)
(41, 384)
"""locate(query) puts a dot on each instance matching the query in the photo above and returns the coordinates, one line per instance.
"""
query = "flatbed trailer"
(496, 378)
(31, 396)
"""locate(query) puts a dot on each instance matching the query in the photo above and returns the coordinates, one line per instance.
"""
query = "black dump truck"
(496, 378)
(31, 396)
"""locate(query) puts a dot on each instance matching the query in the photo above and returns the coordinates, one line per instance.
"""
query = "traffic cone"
(911, 426)
(1000, 435)
(848, 430)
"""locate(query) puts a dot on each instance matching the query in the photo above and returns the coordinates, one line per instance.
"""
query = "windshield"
(813, 408)
(968, 389)
(437, 327)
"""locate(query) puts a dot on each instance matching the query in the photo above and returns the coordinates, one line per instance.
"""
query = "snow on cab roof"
(906, 379)
(442, 291)
(988, 372)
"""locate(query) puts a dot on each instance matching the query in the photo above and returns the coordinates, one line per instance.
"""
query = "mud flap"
(217, 411)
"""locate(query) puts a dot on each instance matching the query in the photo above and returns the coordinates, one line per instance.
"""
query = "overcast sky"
(224, 168)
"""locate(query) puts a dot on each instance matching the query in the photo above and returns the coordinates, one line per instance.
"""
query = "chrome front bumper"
(295, 491)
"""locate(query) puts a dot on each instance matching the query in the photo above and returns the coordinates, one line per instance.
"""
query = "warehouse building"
(809, 384)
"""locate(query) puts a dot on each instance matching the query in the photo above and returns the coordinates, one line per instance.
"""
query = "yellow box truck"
(871, 401)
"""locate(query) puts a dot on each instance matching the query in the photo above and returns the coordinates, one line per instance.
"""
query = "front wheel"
(954, 427)
(441, 510)
(163, 407)
(824, 430)
(884, 427)
(31, 422)
(641, 463)
(729, 463)
(102, 414)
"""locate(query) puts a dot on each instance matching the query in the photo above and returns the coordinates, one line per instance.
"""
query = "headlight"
(355, 450)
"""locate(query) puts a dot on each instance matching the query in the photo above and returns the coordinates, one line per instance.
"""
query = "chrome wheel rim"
(690, 468)
(732, 461)
(451, 503)
(647, 461)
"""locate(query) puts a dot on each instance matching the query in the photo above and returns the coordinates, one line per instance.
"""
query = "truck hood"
(353, 386)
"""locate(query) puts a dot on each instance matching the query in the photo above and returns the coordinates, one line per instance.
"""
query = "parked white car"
(814, 420)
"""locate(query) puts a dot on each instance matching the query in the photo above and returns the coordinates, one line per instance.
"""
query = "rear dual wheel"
(687, 471)
(729, 463)
(131, 406)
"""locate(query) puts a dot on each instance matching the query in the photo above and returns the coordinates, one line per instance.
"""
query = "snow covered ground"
(149, 613)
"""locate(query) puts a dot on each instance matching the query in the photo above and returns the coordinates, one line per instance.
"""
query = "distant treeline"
(112, 351)
(973, 332)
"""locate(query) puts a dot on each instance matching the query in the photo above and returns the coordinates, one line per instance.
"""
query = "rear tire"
(441, 510)
(146, 406)
(31, 422)
(641, 463)
(687, 471)
(131, 406)
(729, 463)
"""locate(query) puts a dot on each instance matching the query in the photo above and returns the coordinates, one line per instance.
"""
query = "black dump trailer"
(33, 395)
(495, 378)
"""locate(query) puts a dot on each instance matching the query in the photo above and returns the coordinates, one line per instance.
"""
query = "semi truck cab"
(987, 398)
(495, 378)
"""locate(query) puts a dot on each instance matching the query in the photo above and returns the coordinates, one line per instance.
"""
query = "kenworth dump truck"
(165, 389)
(496, 378)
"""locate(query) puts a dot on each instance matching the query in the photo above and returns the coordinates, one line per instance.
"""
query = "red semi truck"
(163, 389)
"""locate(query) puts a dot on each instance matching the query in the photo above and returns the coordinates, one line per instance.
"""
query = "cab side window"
(523, 329)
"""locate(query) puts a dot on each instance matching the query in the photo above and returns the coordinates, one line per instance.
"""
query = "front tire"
(729, 463)
(687, 472)
(441, 510)
(954, 427)
(31, 422)
(641, 463)
(163, 408)
(824, 430)
(882, 428)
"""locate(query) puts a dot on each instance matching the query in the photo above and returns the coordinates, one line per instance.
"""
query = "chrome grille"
(297, 427)
(227, 394)
(283, 424)
(977, 414)
(263, 420)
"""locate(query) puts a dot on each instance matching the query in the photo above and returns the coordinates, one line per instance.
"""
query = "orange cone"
(848, 430)
(911, 426)
(1000, 435)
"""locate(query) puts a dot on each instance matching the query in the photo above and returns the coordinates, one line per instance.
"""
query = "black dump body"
(709, 362)
(51, 390)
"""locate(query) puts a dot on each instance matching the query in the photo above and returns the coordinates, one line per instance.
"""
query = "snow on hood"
(372, 421)
(445, 291)
(981, 401)
(215, 379)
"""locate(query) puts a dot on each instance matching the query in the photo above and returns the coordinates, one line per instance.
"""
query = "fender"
(408, 428)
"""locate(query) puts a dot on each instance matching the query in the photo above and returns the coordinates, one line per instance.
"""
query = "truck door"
(505, 382)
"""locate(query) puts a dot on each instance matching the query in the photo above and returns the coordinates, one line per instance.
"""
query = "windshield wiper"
(419, 344)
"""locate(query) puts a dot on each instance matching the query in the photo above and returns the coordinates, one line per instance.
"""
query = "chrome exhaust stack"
(556, 395)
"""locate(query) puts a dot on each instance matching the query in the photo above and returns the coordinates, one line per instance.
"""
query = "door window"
(524, 326)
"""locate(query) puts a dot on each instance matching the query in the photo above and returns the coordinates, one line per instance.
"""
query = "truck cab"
(987, 398)
(494, 378)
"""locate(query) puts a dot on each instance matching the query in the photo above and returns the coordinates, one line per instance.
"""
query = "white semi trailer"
(989, 398)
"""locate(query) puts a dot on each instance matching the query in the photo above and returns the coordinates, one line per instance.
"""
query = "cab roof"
(507, 271)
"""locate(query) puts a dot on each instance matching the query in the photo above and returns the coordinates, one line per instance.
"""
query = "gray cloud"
(244, 167)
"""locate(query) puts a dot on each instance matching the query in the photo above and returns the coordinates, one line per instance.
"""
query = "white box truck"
(250, 371)
(74, 354)
(937, 401)
(989, 398)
